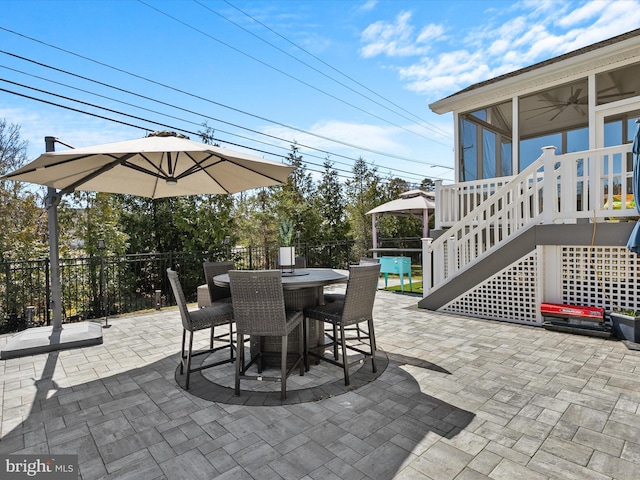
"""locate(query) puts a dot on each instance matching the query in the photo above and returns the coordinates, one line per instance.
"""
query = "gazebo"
(414, 203)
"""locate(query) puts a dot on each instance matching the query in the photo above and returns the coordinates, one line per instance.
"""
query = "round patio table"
(303, 287)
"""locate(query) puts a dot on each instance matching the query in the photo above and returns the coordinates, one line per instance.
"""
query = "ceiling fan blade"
(547, 107)
(578, 109)
(574, 95)
(559, 112)
(550, 109)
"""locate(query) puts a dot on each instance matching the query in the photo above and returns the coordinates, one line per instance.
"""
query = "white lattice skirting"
(600, 276)
(510, 295)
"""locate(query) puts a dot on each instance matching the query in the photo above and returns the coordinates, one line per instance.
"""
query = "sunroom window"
(486, 137)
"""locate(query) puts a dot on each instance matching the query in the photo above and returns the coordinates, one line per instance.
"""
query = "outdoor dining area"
(269, 324)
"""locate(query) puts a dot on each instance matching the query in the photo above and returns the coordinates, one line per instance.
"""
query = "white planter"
(287, 258)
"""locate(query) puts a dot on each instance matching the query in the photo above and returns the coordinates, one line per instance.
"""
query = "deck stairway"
(547, 201)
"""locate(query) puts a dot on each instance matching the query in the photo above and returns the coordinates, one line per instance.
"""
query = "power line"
(167, 115)
(199, 98)
(429, 127)
(426, 125)
(147, 120)
(282, 72)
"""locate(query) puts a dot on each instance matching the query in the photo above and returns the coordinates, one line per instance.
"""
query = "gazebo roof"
(413, 202)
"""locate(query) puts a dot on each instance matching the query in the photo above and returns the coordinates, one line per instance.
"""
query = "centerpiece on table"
(287, 254)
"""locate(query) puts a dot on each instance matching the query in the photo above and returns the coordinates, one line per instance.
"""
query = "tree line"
(323, 209)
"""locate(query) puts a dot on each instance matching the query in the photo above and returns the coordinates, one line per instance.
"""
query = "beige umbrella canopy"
(155, 167)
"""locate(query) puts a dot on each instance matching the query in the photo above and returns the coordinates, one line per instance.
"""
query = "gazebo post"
(425, 223)
(374, 236)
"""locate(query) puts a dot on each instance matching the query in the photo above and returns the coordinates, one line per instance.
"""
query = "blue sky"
(344, 79)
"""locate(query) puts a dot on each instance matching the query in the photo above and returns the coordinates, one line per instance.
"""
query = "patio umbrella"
(164, 164)
(155, 167)
(634, 239)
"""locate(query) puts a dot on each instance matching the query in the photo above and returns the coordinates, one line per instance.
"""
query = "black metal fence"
(93, 287)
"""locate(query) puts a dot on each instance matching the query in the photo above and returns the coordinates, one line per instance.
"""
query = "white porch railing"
(594, 184)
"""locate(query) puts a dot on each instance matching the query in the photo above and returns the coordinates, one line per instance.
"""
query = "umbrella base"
(38, 340)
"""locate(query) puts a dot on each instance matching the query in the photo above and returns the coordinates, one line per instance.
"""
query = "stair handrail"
(593, 176)
(471, 237)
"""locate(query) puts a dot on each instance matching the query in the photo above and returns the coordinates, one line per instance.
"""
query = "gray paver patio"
(460, 399)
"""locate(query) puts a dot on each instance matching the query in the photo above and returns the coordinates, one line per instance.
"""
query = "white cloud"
(374, 137)
(587, 11)
(368, 5)
(516, 36)
(397, 39)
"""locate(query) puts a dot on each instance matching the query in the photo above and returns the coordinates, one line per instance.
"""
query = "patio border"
(202, 387)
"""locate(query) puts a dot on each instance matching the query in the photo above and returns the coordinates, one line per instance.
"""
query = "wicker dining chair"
(211, 269)
(200, 319)
(332, 297)
(259, 310)
(357, 307)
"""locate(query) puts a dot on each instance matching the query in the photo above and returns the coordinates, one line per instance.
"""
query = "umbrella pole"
(52, 201)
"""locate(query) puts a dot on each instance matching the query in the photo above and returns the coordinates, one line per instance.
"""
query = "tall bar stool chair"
(211, 269)
(258, 309)
(200, 319)
(357, 307)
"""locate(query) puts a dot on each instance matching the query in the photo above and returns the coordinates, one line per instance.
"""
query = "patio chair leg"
(305, 353)
(211, 341)
(239, 360)
(345, 360)
(184, 339)
(302, 354)
(335, 342)
(189, 360)
(231, 340)
(372, 344)
(283, 368)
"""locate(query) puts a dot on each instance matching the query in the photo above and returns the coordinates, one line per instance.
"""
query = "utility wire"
(282, 72)
(426, 125)
(414, 182)
(197, 97)
(182, 119)
(434, 128)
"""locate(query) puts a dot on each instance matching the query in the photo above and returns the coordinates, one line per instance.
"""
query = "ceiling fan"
(559, 106)
(556, 106)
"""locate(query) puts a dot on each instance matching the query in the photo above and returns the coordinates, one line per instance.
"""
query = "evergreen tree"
(331, 205)
(295, 199)
(363, 194)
